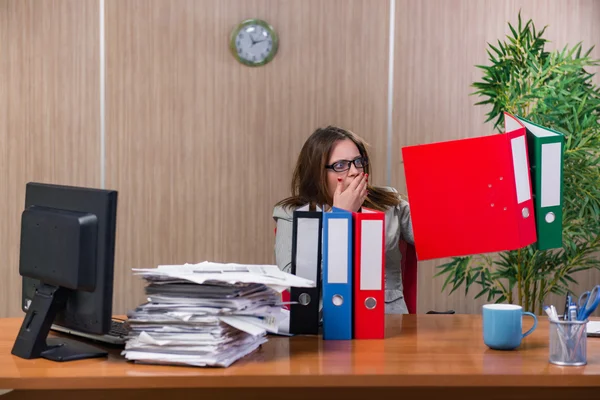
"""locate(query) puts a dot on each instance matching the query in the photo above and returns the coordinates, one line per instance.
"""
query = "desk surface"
(421, 350)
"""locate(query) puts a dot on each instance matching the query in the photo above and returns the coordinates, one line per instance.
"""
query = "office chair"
(409, 278)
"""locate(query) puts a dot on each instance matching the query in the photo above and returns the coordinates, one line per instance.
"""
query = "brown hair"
(309, 181)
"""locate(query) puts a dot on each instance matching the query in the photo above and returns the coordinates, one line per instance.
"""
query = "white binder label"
(519, 155)
(551, 174)
(371, 255)
(307, 248)
(337, 251)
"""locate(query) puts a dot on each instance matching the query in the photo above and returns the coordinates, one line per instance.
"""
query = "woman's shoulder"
(388, 189)
(283, 211)
(402, 200)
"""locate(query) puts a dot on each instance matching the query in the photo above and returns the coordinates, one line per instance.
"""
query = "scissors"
(588, 301)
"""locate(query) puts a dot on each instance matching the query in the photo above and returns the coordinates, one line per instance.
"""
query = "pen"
(548, 311)
(572, 312)
(567, 304)
(554, 313)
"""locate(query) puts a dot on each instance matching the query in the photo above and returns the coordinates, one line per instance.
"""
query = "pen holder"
(568, 343)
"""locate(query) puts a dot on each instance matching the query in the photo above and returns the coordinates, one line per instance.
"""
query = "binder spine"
(524, 211)
(337, 276)
(306, 263)
(548, 191)
(545, 148)
(369, 283)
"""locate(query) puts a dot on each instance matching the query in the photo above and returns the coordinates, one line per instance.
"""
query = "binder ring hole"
(525, 212)
(370, 303)
(550, 217)
(337, 300)
(304, 299)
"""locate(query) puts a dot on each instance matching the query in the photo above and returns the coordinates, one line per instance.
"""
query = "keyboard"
(117, 334)
(117, 328)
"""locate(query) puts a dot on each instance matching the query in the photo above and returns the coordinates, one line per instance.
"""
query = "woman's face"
(342, 150)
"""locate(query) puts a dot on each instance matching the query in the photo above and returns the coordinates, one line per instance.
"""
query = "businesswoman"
(332, 170)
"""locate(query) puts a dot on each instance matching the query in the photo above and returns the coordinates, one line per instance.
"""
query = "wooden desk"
(423, 356)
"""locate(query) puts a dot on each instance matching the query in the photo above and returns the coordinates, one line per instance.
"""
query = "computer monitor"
(66, 261)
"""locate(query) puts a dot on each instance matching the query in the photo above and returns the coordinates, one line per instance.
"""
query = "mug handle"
(535, 321)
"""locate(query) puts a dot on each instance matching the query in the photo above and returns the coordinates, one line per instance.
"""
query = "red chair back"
(409, 275)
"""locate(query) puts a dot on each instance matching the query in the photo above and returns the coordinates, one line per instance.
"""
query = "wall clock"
(254, 42)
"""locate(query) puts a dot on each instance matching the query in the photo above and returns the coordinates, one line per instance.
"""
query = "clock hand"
(260, 41)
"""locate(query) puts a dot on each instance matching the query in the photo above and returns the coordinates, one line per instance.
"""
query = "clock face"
(254, 42)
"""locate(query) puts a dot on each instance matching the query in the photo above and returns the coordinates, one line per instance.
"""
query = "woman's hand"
(355, 194)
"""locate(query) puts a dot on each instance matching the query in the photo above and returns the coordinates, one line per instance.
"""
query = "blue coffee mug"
(503, 326)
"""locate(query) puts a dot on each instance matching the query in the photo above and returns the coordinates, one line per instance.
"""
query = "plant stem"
(541, 299)
(527, 295)
(526, 282)
(533, 297)
(570, 264)
(530, 292)
(519, 280)
(519, 298)
(495, 282)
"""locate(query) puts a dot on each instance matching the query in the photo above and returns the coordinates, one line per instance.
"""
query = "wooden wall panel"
(49, 112)
(9, 272)
(437, 45)
(201, 147)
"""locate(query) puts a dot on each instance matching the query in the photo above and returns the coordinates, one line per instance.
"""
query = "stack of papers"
(206, 314)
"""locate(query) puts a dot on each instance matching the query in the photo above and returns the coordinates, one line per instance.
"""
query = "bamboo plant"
(553, 89)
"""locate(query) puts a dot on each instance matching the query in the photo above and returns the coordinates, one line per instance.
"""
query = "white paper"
(206, 314)
(244, 325)
(252, 325)
(223, 359)
(229, 273)
(593, 327)
(283, 327)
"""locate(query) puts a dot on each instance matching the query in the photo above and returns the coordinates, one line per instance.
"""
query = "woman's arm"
(283, 240)
(406, 229)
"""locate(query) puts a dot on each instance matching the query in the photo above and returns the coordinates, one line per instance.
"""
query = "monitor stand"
(31, 342)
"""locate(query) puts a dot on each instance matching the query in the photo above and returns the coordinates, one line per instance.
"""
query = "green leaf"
(496, 50)
(456, 284)
(484, 291)
(447, 281)
(554, 89)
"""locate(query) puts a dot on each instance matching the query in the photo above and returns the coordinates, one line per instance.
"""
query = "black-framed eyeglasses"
(344, 165)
